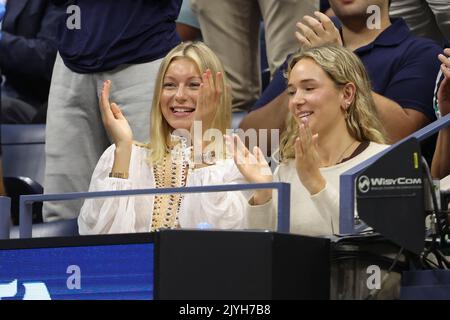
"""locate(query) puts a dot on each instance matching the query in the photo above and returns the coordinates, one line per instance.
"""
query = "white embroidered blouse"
(221, 210)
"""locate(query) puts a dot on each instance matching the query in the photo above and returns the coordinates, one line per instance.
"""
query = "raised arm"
(440, 167)
(121, 167)
(119, 130)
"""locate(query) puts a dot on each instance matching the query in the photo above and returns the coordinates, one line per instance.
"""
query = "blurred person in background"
(2, 187)
(28, 34)
(122, 41)
(188, 27)
(231, 29)
(426, 18)
(402, 68)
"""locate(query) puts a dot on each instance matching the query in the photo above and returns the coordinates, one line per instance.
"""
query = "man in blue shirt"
(122, 41)
(231, 29)
(402, 68)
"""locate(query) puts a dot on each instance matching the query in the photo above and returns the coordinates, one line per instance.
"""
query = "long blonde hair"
(342, 66)
(204, 58)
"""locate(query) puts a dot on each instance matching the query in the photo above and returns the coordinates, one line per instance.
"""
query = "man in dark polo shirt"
(401, 67)
(122, 41)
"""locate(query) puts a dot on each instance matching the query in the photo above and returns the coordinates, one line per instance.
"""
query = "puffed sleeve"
(221, 210)
(118, 214)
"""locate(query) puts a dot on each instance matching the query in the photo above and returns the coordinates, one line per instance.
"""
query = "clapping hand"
(444, 89)
(208, 100)
(113, 120)
(317, 32)
(307, 159)
(253, 166)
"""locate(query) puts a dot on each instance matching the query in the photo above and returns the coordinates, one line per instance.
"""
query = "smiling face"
(314, 96)
(179, 93)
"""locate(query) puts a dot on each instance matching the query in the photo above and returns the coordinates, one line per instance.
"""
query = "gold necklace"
(339, 160)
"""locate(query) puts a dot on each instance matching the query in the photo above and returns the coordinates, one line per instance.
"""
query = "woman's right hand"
(253, 166)
(113, 120)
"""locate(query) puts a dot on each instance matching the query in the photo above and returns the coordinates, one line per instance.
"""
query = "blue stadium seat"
(23, 156)
(17, 186)
(61, 228)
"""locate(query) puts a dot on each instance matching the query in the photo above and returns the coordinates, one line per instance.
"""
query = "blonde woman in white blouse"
(332, 126)
(191, 85)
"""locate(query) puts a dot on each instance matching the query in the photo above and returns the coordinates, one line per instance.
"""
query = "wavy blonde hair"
(160, 130)
(342, 66)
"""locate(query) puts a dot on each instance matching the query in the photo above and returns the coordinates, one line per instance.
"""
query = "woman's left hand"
(208, 99)
(307, 159)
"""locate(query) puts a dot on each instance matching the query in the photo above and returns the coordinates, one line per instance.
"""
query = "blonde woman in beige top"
(332, 126)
